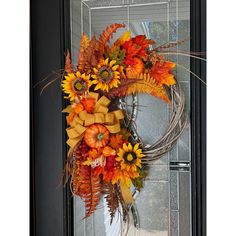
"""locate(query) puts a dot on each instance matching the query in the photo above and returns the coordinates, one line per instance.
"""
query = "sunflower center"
(100, 136)
(105, 74)
(130, 157)
(80, 86)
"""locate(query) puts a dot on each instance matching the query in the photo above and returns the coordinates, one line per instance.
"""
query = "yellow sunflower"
(129, 158)
(124, 176)
(106, 75)
(76, 85)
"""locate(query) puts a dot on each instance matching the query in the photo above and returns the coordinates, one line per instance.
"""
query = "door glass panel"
(163, 205)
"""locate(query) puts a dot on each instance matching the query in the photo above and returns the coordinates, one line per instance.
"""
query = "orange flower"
(94, 153)
(161, 72)
(135, 68)
(77, 107)
(70, 117)
(108, 151)
(95, 158)
(109, 169)
(102, 161)
(116, 141)
(88, 104)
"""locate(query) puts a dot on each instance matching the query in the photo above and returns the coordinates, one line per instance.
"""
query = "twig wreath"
(106, 155)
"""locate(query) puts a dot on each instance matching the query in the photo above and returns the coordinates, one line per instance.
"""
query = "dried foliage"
(109, 190)
(145, 84)
(108, 33)
(87, 185)
(84, 182)
(84, 43)
(124, 207)
(68, 65)
(90, 56)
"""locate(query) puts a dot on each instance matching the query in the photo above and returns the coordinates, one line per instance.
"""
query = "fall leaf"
(123, 38)
(145, 84)
(108, 33)
(90, 56)
(138, 182)
(144, 43)
(137, 47)
(84, 43)
(131, 49)
(88, 186)
(115, 53)
(111, 198)
(92, 194)
(161, 72)
(68, 65)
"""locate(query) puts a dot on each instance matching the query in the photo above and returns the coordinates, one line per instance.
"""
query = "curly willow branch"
(177, 124)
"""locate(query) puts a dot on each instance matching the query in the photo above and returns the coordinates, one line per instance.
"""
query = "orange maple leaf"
(161, 72)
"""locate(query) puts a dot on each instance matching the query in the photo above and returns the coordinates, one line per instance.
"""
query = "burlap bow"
(100, 115)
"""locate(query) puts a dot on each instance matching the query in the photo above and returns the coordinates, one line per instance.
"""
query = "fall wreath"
(106, 156)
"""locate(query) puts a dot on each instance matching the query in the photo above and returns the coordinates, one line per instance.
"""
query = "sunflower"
(124, 176)
(76, 85)
(106, 75)
(129, 158)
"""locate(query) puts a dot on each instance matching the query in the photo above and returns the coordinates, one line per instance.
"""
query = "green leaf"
(138, 182)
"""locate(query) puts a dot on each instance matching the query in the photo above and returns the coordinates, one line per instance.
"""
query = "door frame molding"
(198, 118)
(51, 20)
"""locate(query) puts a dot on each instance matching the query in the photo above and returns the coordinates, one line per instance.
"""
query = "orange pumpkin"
(96, 136)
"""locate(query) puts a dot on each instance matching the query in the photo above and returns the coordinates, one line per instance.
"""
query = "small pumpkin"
(96, 136)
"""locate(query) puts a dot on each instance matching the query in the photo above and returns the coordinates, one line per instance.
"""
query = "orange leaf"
(144, 84)
(161, 72)
(108, 32)
(84, 42)
(90, 56)
(111, 198)
(68, 65)
(87, 185)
